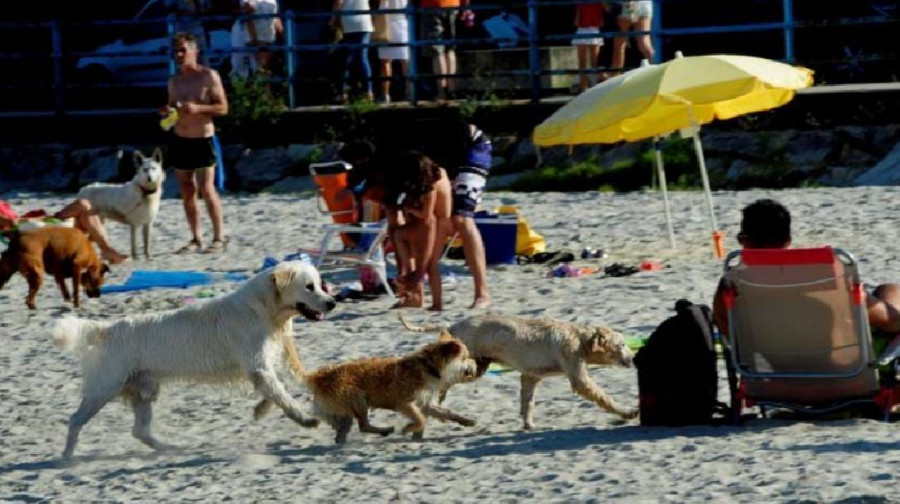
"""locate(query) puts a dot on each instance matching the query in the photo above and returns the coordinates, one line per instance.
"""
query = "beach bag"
(677, 375)
(528, 241)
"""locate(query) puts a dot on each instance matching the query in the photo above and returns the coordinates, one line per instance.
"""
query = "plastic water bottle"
(169, 120)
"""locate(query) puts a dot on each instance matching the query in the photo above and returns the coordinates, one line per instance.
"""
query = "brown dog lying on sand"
(541, 347)
(60, 251)
(408, 385)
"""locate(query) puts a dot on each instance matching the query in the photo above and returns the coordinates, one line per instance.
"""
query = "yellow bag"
(528, 241)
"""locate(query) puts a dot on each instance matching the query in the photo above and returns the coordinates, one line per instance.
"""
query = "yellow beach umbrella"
(655, 100)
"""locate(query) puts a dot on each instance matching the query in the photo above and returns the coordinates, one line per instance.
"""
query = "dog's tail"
(421, 328)
(73, 334)
(293, 359)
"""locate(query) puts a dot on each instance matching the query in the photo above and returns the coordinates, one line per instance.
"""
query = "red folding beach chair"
(799, 333)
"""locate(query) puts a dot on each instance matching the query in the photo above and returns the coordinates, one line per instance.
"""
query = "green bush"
(629, 175)
(253, 102)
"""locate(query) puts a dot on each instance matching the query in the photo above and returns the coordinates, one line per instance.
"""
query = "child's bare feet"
(408, 300)
(436, 307)
(407, 303)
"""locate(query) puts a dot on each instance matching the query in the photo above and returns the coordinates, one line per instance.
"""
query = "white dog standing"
(136, 202)
(235, 337)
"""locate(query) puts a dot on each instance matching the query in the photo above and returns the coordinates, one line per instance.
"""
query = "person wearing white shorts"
(261, 31)
(635, 15)
(397, 29)
(588, 21)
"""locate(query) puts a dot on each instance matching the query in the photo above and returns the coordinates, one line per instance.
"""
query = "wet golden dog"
(541, 347)
(408, 385)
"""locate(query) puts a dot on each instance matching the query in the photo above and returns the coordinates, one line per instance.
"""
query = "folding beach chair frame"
(372, 256)
(886, 396)
(325, 259)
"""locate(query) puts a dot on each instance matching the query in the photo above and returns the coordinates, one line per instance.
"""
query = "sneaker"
(383, 100)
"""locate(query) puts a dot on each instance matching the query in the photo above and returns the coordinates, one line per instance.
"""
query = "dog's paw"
(467, 422)
(164, 447)
(261, 409)
(309, 423)
(418, 435)
(411, 427)
(629, 413)
(386, 431)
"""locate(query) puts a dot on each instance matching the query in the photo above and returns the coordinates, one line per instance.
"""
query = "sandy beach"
(576, 453)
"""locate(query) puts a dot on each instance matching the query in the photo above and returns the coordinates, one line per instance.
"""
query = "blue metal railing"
(293, 51)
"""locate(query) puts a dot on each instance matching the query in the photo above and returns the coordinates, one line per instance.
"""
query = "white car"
(143, 60)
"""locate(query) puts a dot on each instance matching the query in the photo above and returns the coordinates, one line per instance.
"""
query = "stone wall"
(850, 155)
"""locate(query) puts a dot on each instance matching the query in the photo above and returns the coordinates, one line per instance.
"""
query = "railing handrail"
(532, 41)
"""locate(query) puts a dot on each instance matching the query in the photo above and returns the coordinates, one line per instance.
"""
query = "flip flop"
(215, 247)
(619, 270)
(550, 258)
(191, 247)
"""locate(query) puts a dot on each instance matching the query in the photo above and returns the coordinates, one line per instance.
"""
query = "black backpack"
(677, 375)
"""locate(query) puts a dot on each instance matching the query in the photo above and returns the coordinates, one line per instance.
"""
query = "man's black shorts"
(191, 153)
(439, 25)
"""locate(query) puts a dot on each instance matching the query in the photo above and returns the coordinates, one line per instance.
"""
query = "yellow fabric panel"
(660, 99)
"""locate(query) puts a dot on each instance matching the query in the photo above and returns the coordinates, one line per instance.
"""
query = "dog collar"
(147, 192)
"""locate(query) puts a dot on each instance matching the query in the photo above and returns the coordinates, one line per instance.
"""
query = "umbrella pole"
(717, 235)
(661, 171)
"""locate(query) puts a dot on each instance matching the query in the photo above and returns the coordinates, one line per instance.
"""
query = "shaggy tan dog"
(344, 392)
(541, 347)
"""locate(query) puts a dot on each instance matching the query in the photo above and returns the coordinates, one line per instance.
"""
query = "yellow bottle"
(169, 120)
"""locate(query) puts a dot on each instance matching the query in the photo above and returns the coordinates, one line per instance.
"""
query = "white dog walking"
(134, 203)
(238, 336)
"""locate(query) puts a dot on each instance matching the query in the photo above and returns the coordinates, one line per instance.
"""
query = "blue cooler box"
(498, 232)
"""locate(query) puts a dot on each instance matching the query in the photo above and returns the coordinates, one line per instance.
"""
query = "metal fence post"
(656, 31)
(58, 82)
(534, 55)
(789, 30)
(290, 56)
(413, 82)
(170, 28)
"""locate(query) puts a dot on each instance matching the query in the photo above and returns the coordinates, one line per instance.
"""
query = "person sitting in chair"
(766, 224)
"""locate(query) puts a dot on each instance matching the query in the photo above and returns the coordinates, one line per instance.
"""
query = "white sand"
(577, 453)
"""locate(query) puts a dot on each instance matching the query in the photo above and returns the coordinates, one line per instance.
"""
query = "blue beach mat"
(149, 279)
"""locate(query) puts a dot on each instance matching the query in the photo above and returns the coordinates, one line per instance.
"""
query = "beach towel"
(220, 166)
(149, 279)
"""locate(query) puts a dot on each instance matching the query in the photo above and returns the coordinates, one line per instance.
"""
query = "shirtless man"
(419, 224)
(197, 93)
